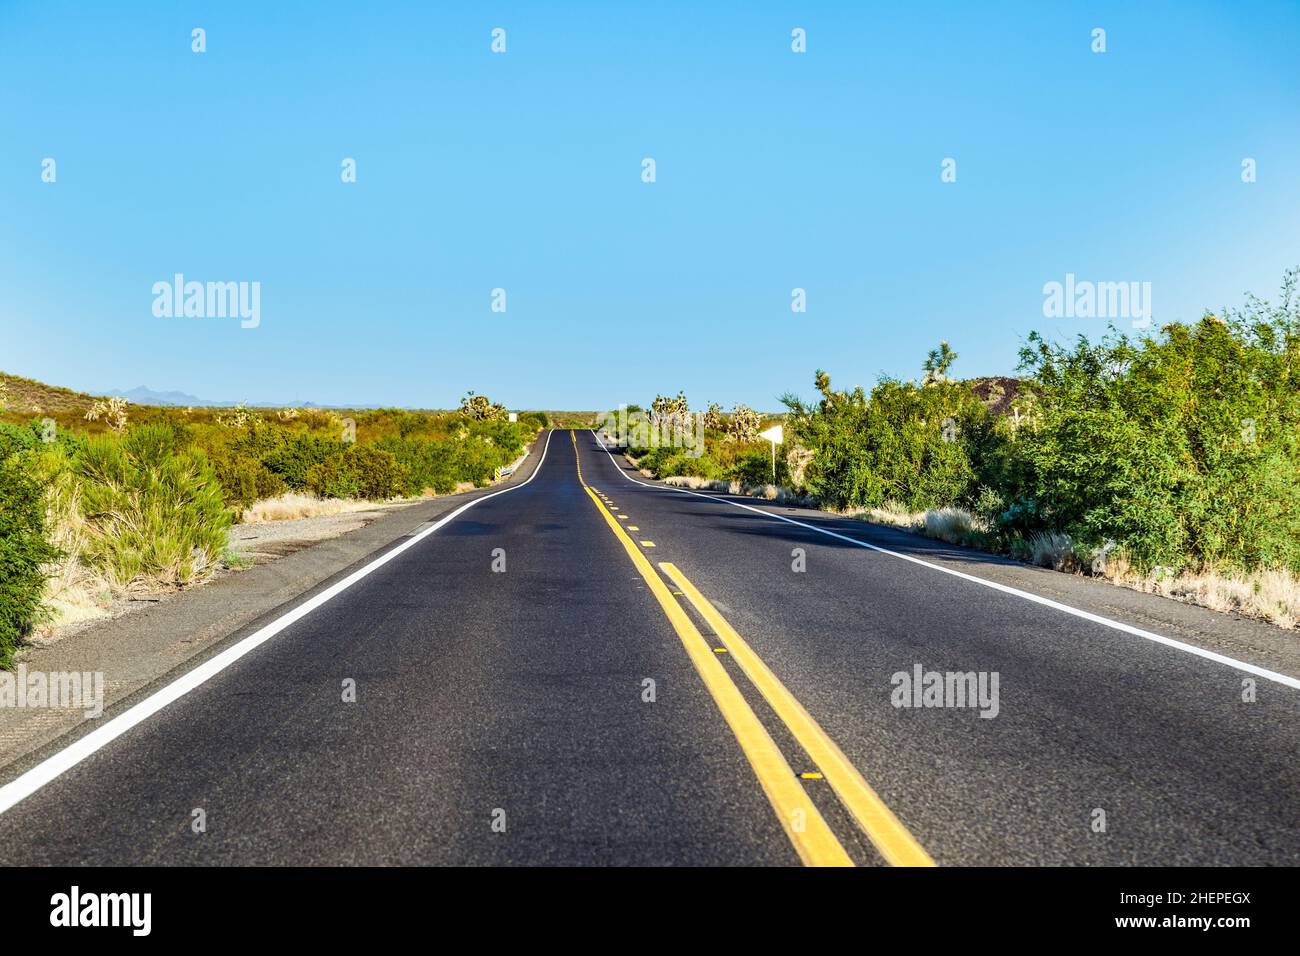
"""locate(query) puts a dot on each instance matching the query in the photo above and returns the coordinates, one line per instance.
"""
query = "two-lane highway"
(587, 669)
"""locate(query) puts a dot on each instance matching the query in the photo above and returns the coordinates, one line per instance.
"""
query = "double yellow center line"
(802, 822)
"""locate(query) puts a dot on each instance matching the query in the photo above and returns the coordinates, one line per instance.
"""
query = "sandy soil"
(268, 540)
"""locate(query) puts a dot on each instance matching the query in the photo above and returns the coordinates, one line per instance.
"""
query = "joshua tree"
(481, 408)
(937, 364)
(744, 424)
(111, 410)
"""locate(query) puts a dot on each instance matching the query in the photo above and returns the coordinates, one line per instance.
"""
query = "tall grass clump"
(154, 512)
(954, 525)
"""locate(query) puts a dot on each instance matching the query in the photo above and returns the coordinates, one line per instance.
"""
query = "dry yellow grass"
(1052, 549)
(73, 592)
(778, 493)
(696, 484)
(953, 525)
(891, 513)
(25, 396)
(291, 506)
(1272, 595)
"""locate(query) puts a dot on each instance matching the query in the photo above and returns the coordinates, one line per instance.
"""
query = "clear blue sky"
(522, 171)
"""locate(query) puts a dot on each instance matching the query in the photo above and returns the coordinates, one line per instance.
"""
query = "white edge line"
(1006, 589)
(53, 766)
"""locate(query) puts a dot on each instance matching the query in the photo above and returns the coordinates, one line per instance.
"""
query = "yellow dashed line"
(800, 819)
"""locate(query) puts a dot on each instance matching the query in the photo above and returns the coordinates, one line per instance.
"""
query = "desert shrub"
(427, 465)
(535, 421)
(410, 423)
(700, 467)
(24, 550)
(906, 442)
(361, 471)
(1182, 446)
(662, 461)
(293, 457)
(257, 439)
(322, 420)
(507, 437)
(154, 512)
(332, 478)
(755, 468)
(477, 460)
(244, 479)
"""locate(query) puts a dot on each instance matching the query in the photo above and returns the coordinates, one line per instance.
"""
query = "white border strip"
(1006, 589)
(50, 768)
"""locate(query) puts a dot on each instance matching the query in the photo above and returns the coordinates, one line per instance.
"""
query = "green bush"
(427, 465)
(535, 421)
(755, 468)
(477, 461)
(909, 443)
(154, 511)
(662, 461)
(23, 546)
(293, 456)
(700, 467)
(362, 471)
(244, 479)
(1183, 446)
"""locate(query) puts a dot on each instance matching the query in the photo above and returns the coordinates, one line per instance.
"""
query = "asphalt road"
(581, 704)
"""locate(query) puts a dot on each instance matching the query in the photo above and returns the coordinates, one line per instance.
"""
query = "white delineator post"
(777, 437)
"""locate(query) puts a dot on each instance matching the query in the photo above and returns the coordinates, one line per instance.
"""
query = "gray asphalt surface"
(484, 696)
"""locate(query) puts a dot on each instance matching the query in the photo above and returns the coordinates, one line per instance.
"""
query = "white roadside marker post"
(777, 437)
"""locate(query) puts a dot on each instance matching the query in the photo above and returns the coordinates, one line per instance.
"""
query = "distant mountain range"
(141, 395)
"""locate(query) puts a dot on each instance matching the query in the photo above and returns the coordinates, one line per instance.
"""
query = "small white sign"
(774, 434)
(514, 416)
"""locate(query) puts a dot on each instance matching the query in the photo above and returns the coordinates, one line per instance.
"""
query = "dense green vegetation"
(142, 497)
(731, 450)
(899, 444)
(1179, 448)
